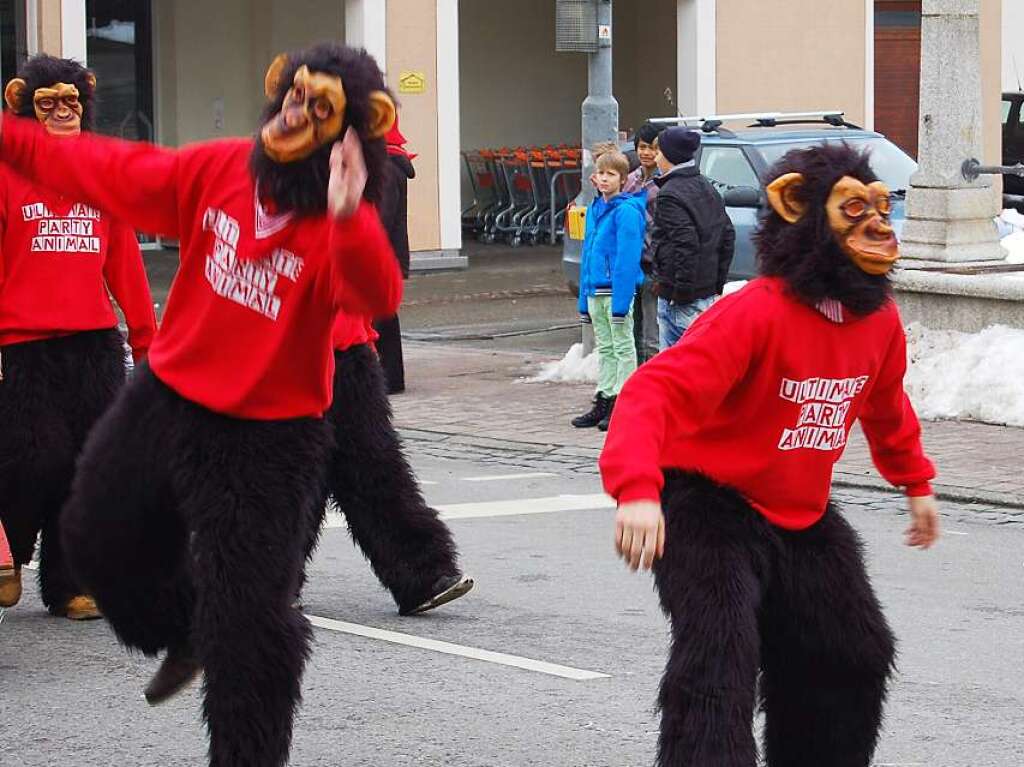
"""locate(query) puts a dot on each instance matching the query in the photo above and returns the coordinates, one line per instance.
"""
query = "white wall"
(514, 88)
(212, 56)
(1013, 45)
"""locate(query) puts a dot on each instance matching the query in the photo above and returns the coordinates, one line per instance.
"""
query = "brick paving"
(471, 398)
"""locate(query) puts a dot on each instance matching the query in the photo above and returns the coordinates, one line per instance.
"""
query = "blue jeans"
(674, 319)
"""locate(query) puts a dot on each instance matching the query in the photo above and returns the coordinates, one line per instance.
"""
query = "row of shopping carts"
(520, 195)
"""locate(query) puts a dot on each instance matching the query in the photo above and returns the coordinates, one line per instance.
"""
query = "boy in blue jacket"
(609, 276)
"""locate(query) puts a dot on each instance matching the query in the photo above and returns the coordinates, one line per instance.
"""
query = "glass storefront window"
(119, 46)
(13, 46)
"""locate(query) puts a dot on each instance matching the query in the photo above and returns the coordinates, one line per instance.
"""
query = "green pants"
(613, 341)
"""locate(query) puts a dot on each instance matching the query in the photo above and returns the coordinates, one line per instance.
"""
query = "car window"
(890, 163)
(1006, 111)
(727, 167)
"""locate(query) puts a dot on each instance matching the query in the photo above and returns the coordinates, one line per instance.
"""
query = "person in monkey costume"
(61, 354)
(195, 493)
(408, 546)
(720, 456)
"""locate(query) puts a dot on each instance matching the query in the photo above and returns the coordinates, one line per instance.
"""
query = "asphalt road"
(549, 589)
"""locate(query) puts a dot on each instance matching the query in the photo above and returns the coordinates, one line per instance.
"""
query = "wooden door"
(898, 71)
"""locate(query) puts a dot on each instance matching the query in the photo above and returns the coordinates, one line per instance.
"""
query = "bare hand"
(640, 533)
(348, 176)
(924, 522)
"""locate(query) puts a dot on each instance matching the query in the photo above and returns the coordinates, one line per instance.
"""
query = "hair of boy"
(615, 161)
(647, 133)
(603, 147)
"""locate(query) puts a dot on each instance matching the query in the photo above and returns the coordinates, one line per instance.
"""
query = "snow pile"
(572, 368)
(976, 376)
(1010, 224)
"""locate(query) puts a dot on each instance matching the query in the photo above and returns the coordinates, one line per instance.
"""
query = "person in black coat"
(693, 238)
(395, 217)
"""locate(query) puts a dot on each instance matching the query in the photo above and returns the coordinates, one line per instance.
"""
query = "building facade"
(474, 74)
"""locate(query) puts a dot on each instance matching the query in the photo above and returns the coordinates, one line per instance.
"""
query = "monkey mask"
(57, 106)
(313, 113)
(858, 215)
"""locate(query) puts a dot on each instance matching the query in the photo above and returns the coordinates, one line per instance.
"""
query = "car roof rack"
(713, 123)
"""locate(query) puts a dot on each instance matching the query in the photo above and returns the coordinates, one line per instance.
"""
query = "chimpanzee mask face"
(57, 107)
(858, 215)
(313, 113)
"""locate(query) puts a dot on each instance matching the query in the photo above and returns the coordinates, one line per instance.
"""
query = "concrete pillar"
(366, 27)
(72, 30)
(697, 42)
(422, 44)
(949, 219)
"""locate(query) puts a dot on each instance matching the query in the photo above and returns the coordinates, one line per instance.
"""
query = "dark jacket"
(692, 243)
(394, 208)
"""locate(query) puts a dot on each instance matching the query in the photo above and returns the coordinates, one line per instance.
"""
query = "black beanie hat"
(679, 144)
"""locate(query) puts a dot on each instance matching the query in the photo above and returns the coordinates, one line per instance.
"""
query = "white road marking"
(426, 482)
(518, 506)
(409, 640)
(514, 507)
(952, 532)
(501, 477)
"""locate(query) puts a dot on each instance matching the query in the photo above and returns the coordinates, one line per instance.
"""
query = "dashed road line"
(502, 477)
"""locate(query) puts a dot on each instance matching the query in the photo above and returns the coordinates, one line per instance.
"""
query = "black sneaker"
(593, 418)
(607, 419)
(176, 672)
(444, 590)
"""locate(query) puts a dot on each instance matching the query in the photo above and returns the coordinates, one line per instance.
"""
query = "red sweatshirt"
(58, 260)
(352, 331)
(247, 327)
(760, 395)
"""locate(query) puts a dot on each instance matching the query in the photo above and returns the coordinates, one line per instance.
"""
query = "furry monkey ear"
(272, 81)
(382, 114)
(91, 79)
(783, 196)
(14, 93)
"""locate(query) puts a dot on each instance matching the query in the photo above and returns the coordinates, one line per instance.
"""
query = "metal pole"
(600, 118)
(600, 109)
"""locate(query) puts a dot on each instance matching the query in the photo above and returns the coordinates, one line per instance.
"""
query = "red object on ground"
(760, 394)
(6, 558)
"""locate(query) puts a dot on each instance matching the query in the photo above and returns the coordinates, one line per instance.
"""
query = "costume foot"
(82, 608)
(177, 672)
(10, 586)
(445, 590)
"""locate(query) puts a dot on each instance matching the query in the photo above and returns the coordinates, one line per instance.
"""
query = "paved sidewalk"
(480, 398)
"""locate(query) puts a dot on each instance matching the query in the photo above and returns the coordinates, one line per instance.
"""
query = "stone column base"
(951, 225)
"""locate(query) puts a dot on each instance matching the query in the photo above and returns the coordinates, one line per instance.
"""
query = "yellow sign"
(412, 82)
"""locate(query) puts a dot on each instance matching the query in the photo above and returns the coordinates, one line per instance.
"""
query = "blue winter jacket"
(614, 240)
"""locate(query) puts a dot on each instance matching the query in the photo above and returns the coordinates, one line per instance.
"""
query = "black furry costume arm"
(725, 253)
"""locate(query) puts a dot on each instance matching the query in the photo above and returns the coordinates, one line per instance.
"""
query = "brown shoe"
(82, 608)
(177, 672)
(10, 586)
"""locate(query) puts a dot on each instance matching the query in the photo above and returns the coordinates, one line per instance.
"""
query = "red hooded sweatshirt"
(247, 330)
(59, 262)
(760, 394)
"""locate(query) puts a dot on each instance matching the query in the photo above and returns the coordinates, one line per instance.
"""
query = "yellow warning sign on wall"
(412, 82)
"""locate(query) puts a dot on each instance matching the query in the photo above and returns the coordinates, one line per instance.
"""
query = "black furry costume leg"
(189, 528)
(827, 651)
(406, 543)
(389, 348)
(52, 393)
(743, 597)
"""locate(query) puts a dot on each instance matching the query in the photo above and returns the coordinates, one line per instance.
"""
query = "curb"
(840, 478)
